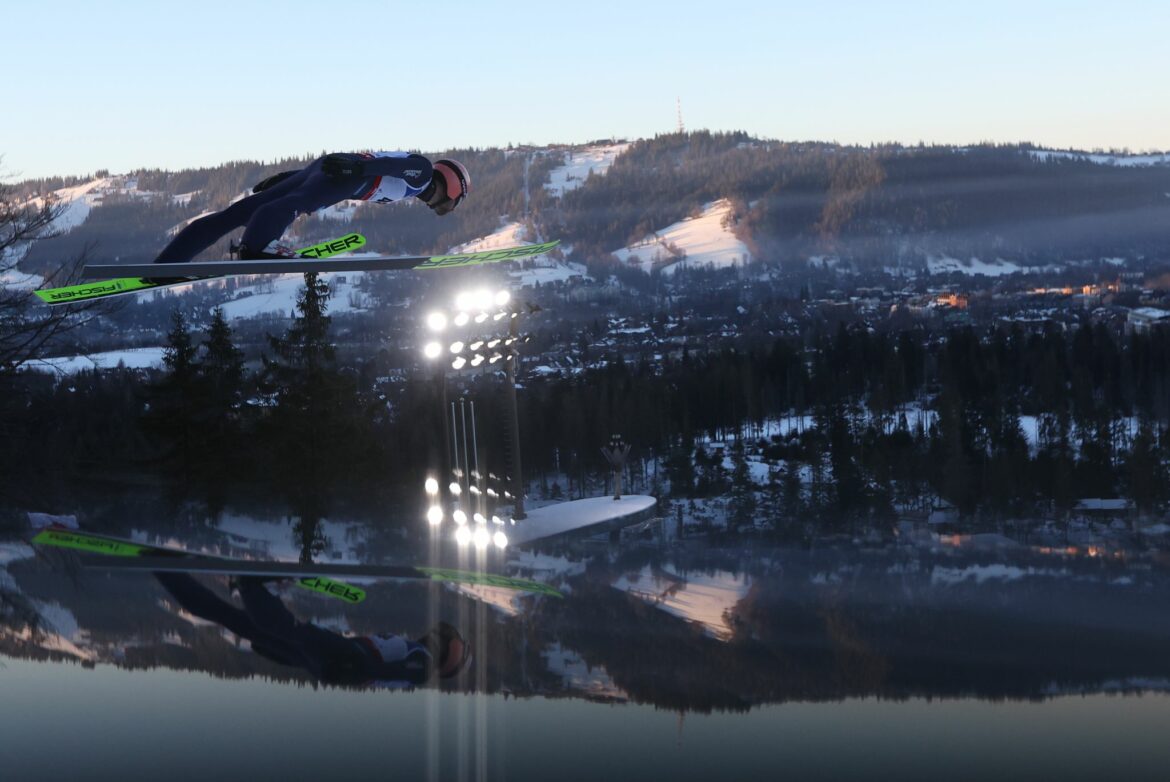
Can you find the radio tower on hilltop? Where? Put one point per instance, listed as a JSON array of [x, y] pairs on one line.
[[681, 128]]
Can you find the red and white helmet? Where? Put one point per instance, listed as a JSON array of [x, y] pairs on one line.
[[456, 181]]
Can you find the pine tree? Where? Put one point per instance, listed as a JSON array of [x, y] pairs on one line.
[[173, 408], [221, 376]]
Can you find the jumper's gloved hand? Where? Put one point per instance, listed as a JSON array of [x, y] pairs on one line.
[[338, 166]]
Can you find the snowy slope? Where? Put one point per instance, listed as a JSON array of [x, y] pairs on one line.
[[509, 234], [706, 599], [704, 239], [972, 267], [132, 358], [577, 166], [1103, 159], [278, 294]]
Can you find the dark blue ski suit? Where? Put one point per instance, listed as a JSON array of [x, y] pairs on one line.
[[388, 176], [276, 634]]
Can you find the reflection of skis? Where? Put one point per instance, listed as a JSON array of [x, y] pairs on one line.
[[137, 556]]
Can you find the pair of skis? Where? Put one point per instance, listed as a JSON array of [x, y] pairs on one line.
[[135, 278], [122, 554]]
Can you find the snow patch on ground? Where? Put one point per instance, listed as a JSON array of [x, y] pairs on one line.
[[707, 599], [704, 240], [547, 273], [579, 676], [578, 165], [278, 294], [509, 234], [19, 281], [131, 358], [943, 265], [981, 573], [1103, 159]]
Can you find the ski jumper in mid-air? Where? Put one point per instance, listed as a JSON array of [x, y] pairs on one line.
[[382, 177]]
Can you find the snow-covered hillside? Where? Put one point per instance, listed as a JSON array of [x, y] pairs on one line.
[[509, 234], [1103, 159], [703, 239], [971, 267], [578, 165]]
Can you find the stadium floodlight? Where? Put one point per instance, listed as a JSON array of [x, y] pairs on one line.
[[493, 343], [515, 314], [461, 319], [476, 345], [481, 317], [431, 486], [456, 347], [463, 536], [464, 301], [500, 539], [433, 350], [499, 315], [474, 489], [496, 357], [502, 298], [479, 518], [492, 492], [483, 299], [436, 321], [475, 362], [460, 517], [481, 537], [497, 519], [509, 341], [455, 488], [435, 515], [458, 363]]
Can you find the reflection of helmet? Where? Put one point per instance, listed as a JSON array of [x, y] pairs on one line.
[[453, 181], [451, 650]]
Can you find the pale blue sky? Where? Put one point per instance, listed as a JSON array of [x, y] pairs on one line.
[[119, 85]]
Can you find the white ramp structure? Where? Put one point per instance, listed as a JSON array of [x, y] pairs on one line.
[[581, 518]]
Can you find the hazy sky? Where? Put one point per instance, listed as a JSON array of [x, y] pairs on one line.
[[121, 85]]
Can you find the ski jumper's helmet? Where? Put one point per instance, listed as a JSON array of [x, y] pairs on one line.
[[456, 181]]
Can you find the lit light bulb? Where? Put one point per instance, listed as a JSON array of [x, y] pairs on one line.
[[481, 317], [455, 488], [435, 515], [432, 486], [502, 298], [459, 363], [481, 537], [479, 518], [462, 318], [501, 540], [460, 517], [475, 362], [464, 301], [436, 321], [463, 536], [476, 345], [432, 350], [456, 347]]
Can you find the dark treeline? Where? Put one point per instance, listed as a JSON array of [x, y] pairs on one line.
[[883, 422]]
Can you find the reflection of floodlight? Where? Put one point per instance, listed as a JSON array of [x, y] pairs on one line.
[[481, 317], [458, 363], [497, 520], [463, 536], [436, 321], [495, 358], [499, 315], [501, 540], [481, 537], [507, 495], [493, 343], [455, 488], [462, 318], [479, 519], [464, 301], [475, 362], [460, 517], [435, 515], [492, 493], [509, 341], [456, 347], [476, 345], [432, 486], [515, 314], [432, 350], [475, 489]]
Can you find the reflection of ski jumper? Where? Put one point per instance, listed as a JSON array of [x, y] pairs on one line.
[[382, 177], [332, 658]]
